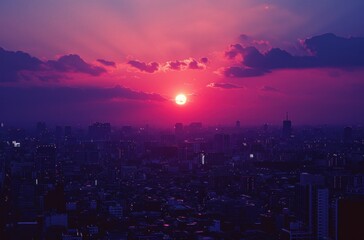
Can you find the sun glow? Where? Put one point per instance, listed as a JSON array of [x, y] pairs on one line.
[[181, 99]]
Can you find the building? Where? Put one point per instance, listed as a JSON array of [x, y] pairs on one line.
[[99, 131], [287, 127], [312, 205], [348, 216], [45, 160]]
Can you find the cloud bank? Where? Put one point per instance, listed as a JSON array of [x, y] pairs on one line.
[[13, 65], [327, 50]]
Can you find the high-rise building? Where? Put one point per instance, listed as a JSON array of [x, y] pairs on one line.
[[45, 159], [348, 216], [67, 132], [222, 142], [348, 134], [99, 131], [322, 213], [312, 205], [287, 127]]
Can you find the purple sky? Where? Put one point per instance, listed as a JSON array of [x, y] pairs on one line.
[[77, 62]]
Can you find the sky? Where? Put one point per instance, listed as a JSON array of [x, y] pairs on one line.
[[118, 61]]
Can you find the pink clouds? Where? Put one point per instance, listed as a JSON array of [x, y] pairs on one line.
[[177, 65], [145, 67]]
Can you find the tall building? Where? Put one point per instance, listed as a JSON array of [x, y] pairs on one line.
[[312, 205], [348, 216], [322, 214], [348, 134], [45, 159], [287, 127], [99, 131], [222, 142], [67, 132]]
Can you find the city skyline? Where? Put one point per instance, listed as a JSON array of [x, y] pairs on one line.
[[124, 62]]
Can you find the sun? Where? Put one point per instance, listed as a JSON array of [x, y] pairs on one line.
[[181, 99]]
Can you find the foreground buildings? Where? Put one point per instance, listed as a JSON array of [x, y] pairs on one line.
[[186, 182]]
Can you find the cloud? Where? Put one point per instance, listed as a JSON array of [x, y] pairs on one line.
[[15, 66], [74, 63], [145, 67], [335, 51], [176, 65], [327, 50], [262, 45], [189, 63], [195, 65], [107, 63], [204, 60], [223, 85], [11, 63]]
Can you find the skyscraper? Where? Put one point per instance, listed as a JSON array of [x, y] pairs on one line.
[[287, 127], [312, 204], [45, 160]]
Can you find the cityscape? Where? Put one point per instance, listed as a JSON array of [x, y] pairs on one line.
[[188, 181], [182, 120]]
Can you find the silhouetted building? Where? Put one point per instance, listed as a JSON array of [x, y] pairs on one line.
[[58, 133], [348, 134], [45, 160], [287, 127], [312, 205], [41, 128], [67, 132], [222, 142], [348, 218], [99, 131]]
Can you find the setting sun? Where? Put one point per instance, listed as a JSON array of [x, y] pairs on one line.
[[181, 99]]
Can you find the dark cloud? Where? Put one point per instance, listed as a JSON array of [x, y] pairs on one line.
[[327, 50], [244, 37], [74, 63], [204, 60], [242, 72], [177, 65], [194, 64], [107, 63], [11, 63], [235, 50], [269, 89], [15, 66], [334, 51], [145, 67], [223, 85]]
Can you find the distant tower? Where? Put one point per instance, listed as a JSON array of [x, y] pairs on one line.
[[237, 125], [287, 127]]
